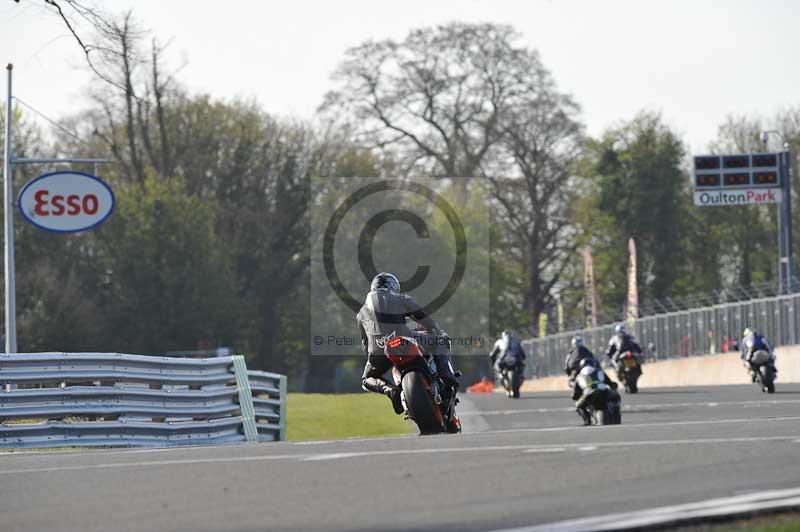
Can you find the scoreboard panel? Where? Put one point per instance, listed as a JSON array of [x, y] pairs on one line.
[[712, 172]]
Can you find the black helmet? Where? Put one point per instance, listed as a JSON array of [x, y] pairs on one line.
[[385, 281]]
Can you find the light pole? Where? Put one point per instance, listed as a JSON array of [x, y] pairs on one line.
[[785, 269]]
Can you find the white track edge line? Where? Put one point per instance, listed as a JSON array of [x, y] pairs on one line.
[[668, 515]]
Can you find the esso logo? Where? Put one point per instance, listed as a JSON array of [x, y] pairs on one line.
[[66, 202]]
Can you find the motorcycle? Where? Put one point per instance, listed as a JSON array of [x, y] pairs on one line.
[[763, 370], [602, 403], [628, 371], [426, 399], [511, 378]]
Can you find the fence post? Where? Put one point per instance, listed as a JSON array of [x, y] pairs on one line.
[[246, 399], [282, 391]]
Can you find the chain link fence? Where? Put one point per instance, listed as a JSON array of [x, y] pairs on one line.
[[700, 331]]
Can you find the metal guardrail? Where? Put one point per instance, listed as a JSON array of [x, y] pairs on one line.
[[110, 399], [705, 330]]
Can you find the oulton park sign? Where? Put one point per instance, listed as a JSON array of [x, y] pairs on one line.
[[740, 179], [714, 198]]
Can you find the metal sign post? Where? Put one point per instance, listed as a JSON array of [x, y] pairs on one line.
[[8, 212], [785, 227], [786, 261]]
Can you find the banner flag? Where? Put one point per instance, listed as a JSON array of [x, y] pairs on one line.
[[590, 296], [633, 290]]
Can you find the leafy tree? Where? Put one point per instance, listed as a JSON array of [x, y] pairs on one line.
[[746, 233], [55, 307], [636, 188], [250, 167], [167, 274], [787, 123]]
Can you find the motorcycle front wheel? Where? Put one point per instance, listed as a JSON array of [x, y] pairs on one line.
[[633, 385], [421, 408]]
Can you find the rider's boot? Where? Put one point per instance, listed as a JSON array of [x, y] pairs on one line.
[[391, 391], [587, 419]]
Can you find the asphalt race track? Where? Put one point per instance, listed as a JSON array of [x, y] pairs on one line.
[[525, 462]]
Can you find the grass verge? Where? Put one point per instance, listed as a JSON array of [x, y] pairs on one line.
[[316, 416], [786, 521]]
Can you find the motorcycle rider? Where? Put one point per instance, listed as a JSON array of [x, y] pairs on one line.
[[580, 356], [750, 343], [507, 352], [384, 314], [621, 342]]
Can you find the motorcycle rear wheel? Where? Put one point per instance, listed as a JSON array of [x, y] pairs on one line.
[[768, 378], [513, 379], [615, 413], [453, 426], [421, 408]]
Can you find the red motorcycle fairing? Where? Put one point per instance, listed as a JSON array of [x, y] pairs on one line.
[[406, 357], [402, 351]]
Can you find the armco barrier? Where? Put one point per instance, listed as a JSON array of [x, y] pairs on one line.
[[699, 331], [701, 370], [110, 399]]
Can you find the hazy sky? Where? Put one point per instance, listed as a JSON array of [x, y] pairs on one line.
[[696, 61]]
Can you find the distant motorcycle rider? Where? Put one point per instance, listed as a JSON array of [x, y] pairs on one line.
[[384, 314], [750, 343], [578, 358], [622, 342], [507, 352]]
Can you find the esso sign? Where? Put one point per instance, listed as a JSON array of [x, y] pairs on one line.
[[66, 202]]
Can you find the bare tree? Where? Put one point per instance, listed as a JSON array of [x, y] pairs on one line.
[[437, 97], [542, 139], [89, 26], [137, 100], [466, 100], [134, 96]]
